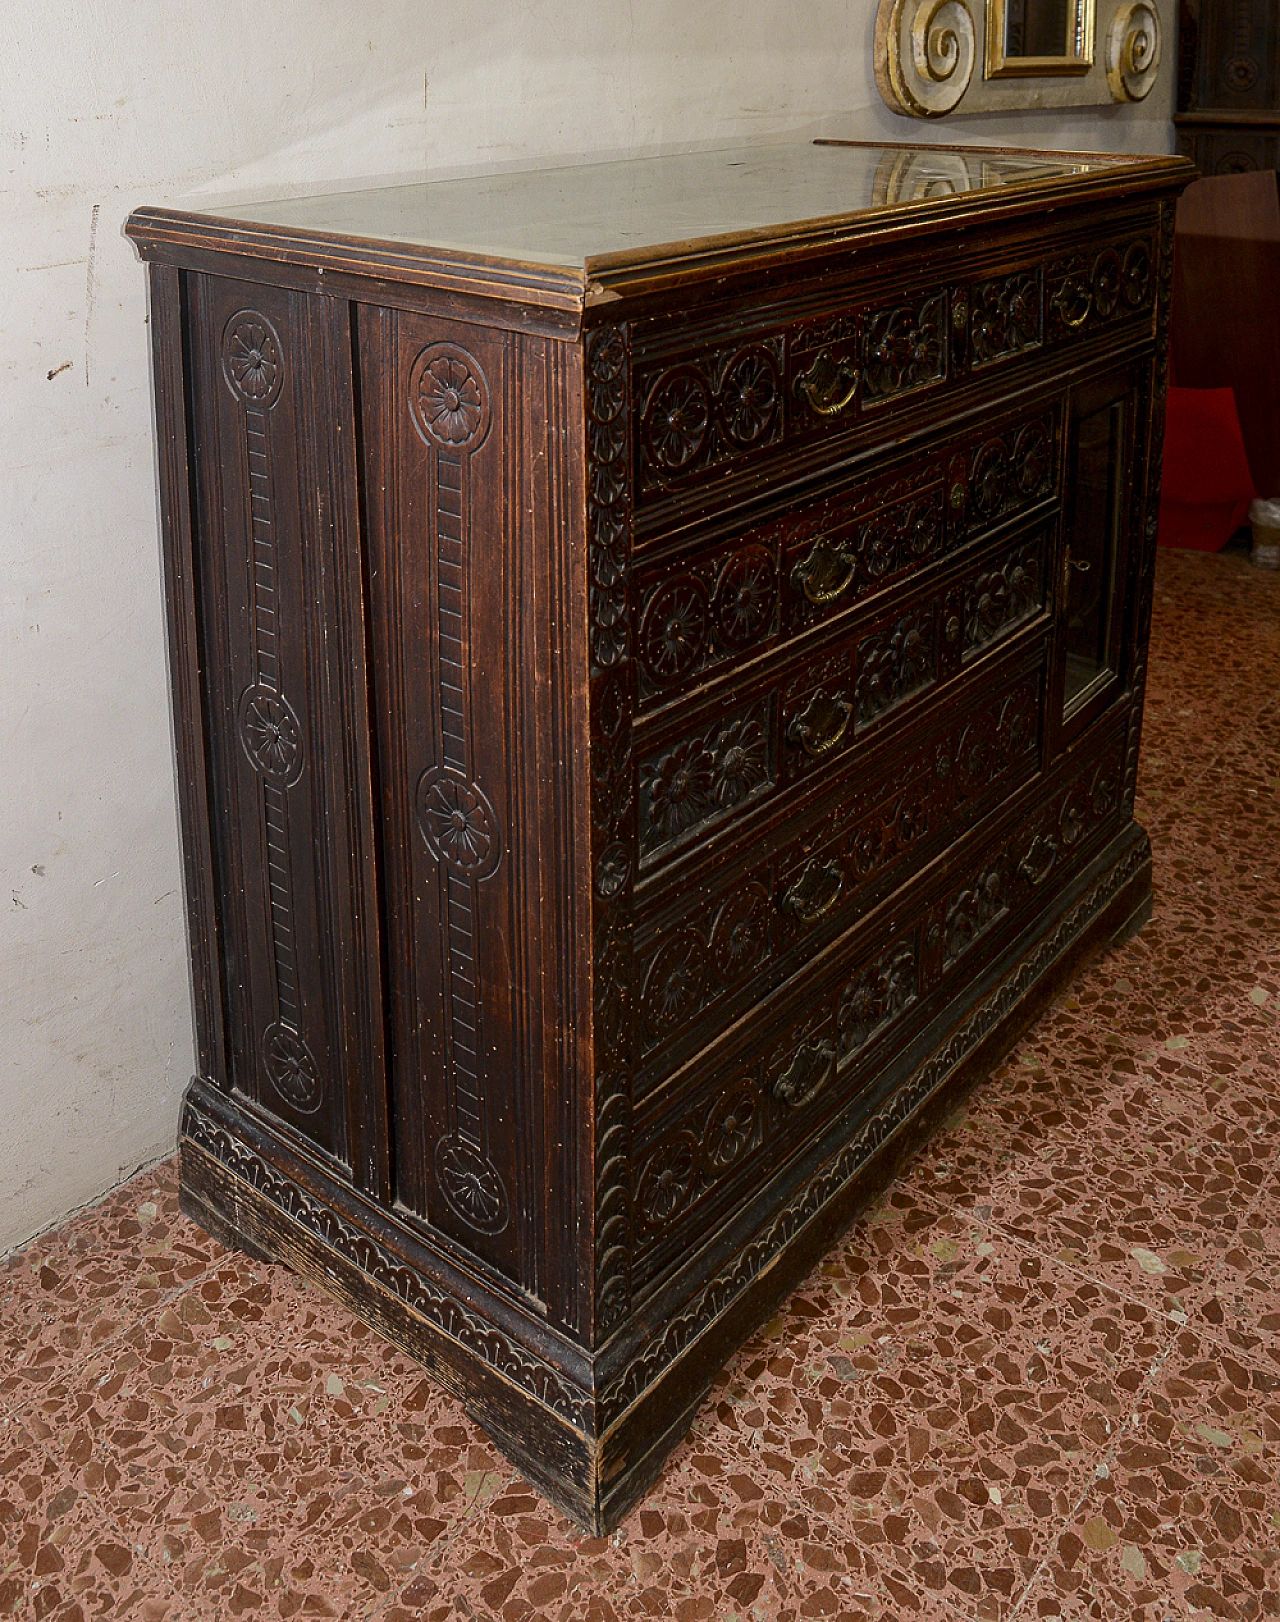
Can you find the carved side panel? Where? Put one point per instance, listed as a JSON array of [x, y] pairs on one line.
[[442, 594], [283, 632], [613, 811]]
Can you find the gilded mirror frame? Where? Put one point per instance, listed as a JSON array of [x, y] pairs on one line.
[[1001, 66]]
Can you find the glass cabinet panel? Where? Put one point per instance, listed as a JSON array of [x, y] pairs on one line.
[[1090, 553], [1097, 515]]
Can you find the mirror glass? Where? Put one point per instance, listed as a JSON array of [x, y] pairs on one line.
[[1039, 28], [1038, 37]]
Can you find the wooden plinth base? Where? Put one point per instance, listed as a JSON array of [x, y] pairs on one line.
[[592, 1429]]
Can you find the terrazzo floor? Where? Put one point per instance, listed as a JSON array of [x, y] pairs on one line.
[[1040, 1379]]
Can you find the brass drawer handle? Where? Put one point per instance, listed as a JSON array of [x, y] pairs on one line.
[[1037, 864], [815, 892], [822, 723], [1064, 297], [824, 573], [806, 1075], [827, 388]]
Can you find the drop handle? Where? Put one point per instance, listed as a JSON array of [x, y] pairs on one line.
[[806, 1075], [822, 723], [827, 387], [824, 573], [1037, 864], [815, 892]]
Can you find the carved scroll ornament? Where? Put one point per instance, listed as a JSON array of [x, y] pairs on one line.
[[934, 57]]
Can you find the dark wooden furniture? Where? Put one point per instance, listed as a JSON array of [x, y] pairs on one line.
[[658, 656], [1228, 109], [1226, 305]]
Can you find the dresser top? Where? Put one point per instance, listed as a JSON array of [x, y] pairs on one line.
[[584, 222]]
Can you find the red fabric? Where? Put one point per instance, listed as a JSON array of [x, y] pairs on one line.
[[1206, 488]]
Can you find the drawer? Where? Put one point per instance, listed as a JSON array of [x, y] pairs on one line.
[[709, 953], [722, 603], [743, 745], [732, 1120], [838, 361]]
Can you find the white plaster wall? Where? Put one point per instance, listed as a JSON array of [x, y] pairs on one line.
[[105, 104]]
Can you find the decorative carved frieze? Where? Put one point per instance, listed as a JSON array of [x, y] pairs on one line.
[[613, 809], [476, 1335]]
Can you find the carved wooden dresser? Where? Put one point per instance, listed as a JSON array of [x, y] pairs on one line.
[[658, 657]]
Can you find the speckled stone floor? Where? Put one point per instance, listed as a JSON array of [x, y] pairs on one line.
[[1040, 1379]]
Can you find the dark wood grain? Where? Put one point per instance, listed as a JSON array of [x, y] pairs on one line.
[[643, 748]]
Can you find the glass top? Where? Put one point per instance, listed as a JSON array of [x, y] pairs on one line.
[[591, 214]]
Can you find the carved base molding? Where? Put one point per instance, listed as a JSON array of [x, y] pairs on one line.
[[593, 1433]]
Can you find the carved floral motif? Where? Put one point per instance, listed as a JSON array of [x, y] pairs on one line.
[[1004, 316], [712, 771], [1003, 595], [449, 397], [251, 360], [893, 664], [877, 997], [271, 734], [745, 597], [749, 396], [906, 348], [710, 408]]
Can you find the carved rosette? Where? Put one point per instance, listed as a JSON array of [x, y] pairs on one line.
[[672, 632], [458, 823], [271, 734], [252, 360], [449, 404], [1133, 50], [710, 409], [449, 398]]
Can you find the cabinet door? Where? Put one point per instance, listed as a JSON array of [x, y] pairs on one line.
[[1091, 656]]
